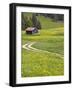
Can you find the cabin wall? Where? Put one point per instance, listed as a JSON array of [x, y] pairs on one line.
[[28, 32], [32, 32]]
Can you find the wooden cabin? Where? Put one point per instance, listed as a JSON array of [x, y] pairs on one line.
[[31, 30]]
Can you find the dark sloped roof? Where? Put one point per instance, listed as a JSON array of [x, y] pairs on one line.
[[30, 28]]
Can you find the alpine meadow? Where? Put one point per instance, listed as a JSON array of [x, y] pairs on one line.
[[42, 38]]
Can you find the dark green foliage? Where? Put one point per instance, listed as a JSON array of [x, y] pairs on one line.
[[26, 22], [23, 22], [36, 22], [57, 17], [38, 25], [54, 17], [33, 20], [29, 21], [61, 17]]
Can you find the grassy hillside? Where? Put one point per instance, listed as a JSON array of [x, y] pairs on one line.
[[51, 39], [48, 23]]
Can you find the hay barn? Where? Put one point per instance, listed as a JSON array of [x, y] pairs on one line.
[[31, 30]]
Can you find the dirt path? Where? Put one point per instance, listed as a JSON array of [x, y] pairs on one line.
[[28, 46]]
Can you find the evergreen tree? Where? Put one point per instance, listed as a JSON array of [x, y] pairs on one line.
[[35, 22], [27, 21], [22, 22]]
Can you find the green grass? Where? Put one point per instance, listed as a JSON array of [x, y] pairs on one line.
[[48, 23], [50, 38], [41, 64]]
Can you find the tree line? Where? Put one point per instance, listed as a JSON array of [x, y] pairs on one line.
[[27, 21], [30, 21]]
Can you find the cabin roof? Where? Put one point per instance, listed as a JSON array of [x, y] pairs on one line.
[[30, 28]]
